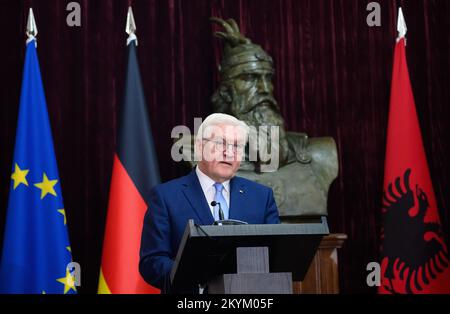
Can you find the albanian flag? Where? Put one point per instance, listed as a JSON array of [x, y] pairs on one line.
[[135, 172], [414, 256]]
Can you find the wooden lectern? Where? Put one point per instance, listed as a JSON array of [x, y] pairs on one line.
[[246, 259]]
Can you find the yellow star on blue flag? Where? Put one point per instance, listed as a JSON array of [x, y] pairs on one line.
[[46, 186], [68, 281], [19, 176]]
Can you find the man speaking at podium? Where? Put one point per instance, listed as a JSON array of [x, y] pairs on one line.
[[211, 192]]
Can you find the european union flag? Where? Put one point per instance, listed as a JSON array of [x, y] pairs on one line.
[[36, 250]]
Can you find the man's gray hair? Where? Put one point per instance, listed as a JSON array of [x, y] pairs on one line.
[[216, 119]]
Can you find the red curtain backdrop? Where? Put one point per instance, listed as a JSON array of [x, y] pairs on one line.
[[332, 78]]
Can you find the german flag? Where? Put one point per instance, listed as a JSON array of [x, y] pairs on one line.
[[135, 172]]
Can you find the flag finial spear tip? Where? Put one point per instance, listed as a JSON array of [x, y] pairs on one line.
[[401, 24], [32, 30], [131, 26]]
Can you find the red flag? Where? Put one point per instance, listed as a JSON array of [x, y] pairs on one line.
[[414, 256]]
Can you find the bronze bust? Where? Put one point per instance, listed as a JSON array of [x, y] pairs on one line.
[[306, 166]]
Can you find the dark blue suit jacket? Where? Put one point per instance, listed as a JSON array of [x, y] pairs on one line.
[[172, 204]]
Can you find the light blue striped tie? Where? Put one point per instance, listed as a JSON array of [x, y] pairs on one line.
[[220, 199]]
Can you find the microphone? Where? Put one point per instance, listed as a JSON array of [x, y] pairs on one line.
[[221, 215], [222, 220]]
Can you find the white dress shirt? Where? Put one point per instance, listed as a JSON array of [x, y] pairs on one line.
[[209, 190]]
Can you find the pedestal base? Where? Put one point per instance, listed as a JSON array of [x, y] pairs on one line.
[[271, 283]]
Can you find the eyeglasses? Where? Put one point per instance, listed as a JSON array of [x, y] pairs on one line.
[[221, 145]]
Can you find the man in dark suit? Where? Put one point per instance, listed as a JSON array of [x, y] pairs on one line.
[[220, 145]]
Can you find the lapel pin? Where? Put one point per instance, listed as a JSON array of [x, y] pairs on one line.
[[241, 191]]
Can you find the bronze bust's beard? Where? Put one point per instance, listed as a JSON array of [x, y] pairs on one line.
[[257, 110], [263, 111]]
